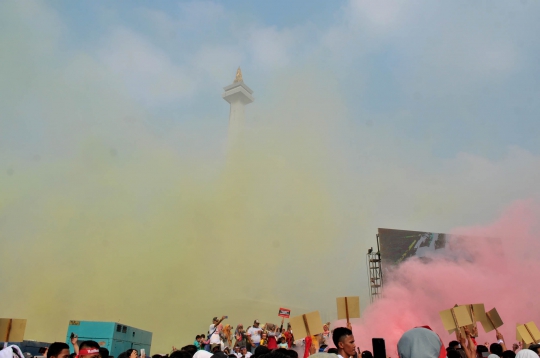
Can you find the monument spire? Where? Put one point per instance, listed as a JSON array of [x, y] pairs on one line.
[[238, 94]]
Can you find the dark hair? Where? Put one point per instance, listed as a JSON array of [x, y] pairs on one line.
[[282, 350], [496, 348], [56, 348], [129, 351], [291, 353], [157, 356], [339, 333], [203, 336], [89, 344], [367, 354], [534, 348], [122, 355], [190, 348], [481, 349], [333, 350], [261, 350], [72, 355], [453, 344], [103, 352], [273, 354], [180, 354], [42, 350], [509, 354], [452, 353]]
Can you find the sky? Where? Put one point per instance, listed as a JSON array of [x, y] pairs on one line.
[[117, 191]]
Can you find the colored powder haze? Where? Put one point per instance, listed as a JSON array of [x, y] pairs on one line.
[[118, 202], [419, 291]]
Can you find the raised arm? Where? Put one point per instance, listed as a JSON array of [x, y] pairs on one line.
[[500, 339], [75, 343]]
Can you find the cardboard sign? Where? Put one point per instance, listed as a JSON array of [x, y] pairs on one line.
[[12, 330], [528, 333], [284, 312], [348, 307], [309, 324], [476, 311], [455, 318], [491, 321]]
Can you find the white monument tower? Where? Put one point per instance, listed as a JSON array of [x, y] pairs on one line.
[[238, 95]]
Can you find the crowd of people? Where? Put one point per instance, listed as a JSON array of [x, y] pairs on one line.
[[269, 335], [271, 341]]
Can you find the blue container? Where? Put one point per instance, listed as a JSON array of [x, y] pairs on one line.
[[31, 347], [116, 337]]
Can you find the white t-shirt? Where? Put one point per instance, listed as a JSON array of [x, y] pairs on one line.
[[214, 338], [248, 354], [255, 334]]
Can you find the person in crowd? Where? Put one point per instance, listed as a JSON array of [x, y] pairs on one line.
[[180, 354], [75, 343], [535, 348], [509, 354], [365, 354], [58, 350], [274, 333], [197, 342], [260, 351], [291, 353], [236, 351], [244, 352], [289, 338], [214, 332], [226, 335], [190, 348], [264, 339], [326, 336], [240, 336], [283, 343], [103, 352], [205, 343], [89, 349], [500, 341], [43, 351], [526, 353], [254, 334], [495, 350], [480, 350], [344, 341], [216, 348], [420, 342], [131, 353]]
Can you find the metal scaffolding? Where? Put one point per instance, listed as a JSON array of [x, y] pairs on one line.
[[373, 264]]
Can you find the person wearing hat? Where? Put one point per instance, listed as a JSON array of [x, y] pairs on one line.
[[255, 334], [214, 331]]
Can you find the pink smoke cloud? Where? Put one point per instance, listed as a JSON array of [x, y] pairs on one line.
[[501, 276]]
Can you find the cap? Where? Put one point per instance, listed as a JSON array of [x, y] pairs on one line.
[[214, 319], [256, 321]]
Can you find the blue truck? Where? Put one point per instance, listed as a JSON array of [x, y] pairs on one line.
[[116, 337]]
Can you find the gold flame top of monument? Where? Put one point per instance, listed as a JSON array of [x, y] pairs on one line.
[[238, 75]]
